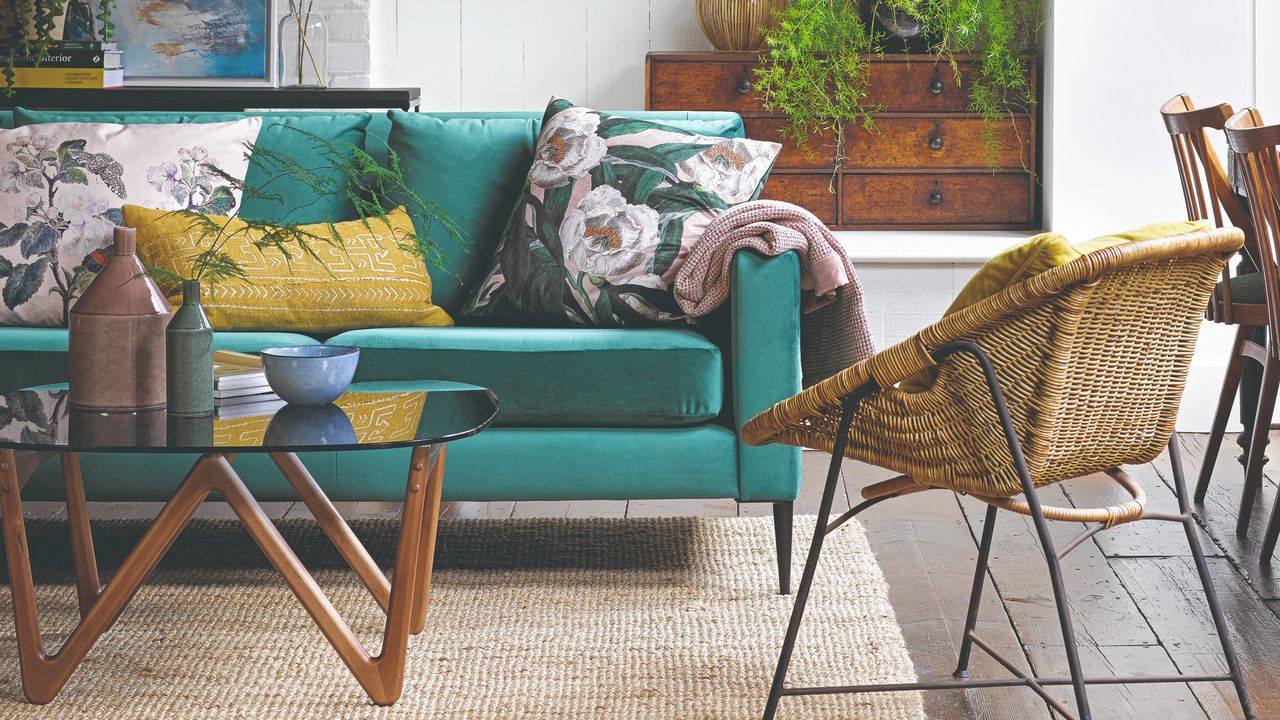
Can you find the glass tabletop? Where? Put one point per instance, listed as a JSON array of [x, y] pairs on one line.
[[369, 416]]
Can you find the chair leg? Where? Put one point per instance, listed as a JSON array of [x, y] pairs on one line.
[[811, 563], [975, 596], [1258, 443], [1230, 384], [1250, 389], [1062, 605], [783, 513], [1037, 515], [1210, 593], [1272, 534]]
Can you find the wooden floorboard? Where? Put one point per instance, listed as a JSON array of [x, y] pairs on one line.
[[1134, 592]]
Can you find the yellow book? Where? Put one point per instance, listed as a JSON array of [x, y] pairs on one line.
[[62, 77]]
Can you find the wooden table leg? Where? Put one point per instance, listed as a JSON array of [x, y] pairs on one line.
[[44, 675], [427, 545], [85, 564], [381, 676]]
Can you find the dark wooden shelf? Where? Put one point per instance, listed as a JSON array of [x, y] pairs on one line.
[[215, 99]]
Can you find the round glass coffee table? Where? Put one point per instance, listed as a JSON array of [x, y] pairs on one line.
[[38, 424]]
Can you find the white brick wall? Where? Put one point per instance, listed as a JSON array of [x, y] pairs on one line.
[[348, 24], [902, 298]]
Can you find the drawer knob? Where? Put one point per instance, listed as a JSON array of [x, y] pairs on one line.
[[935, 142], [935, 198], [744, 85], [935, 87]]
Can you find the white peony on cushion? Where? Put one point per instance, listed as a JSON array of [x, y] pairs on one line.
[[62, 186]]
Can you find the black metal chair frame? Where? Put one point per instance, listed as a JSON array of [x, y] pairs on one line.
[[1076, 679]]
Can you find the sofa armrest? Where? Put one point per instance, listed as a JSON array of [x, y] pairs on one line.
[[765, 366]]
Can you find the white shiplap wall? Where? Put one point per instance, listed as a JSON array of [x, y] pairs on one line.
[[516, 54]]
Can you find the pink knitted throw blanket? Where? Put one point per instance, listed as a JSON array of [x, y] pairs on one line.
[[833, 325]]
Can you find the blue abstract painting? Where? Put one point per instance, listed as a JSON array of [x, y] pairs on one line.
[[216, 39]]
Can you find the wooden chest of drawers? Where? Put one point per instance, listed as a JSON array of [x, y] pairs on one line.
[[924, 167]]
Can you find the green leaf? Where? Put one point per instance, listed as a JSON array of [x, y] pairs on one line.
[[642, 156], [603, 174], [614, 126], [25, 406], [220, 202], [679, 152], [555, 201], [684, 198], [668, 249], [73, 175], [12, 234], [6, 267], [40, 238], [636, 183], [23, 282]]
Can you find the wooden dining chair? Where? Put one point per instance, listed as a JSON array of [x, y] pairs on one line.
[[1236, 301], [1254, 146]]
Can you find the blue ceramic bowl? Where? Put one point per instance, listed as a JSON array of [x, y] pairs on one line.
[[310, 374]]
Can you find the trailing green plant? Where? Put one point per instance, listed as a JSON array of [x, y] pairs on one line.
[[991, 29], [331, 169], [27, 26], [816, 68]]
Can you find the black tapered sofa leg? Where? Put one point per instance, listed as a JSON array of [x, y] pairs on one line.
[[782, 515]]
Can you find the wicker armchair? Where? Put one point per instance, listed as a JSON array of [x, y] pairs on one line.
[[1075, 371]]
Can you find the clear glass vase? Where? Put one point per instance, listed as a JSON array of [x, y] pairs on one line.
[[304, 47]]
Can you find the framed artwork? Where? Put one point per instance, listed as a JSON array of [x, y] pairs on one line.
[[197, 42]]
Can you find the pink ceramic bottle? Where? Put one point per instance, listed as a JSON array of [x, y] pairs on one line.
[[117, 336]]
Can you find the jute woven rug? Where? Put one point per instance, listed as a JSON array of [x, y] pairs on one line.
[[638, 618]]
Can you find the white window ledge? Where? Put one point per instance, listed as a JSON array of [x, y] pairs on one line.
[[928, 246]]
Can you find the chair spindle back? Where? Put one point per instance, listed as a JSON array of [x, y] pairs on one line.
[[1254, 146], [1205, 188]]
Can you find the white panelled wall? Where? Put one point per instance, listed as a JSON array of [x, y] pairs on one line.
[[1108, 67]]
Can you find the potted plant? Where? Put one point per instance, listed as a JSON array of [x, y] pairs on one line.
[[816, 72]]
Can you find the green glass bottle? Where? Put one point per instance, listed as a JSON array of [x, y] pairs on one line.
[[189, 356]]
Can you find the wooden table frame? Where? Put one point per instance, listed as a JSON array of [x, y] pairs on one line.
[[403, 599]]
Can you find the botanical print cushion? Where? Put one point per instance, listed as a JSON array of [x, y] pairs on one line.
[[609, 210], [62, 186]]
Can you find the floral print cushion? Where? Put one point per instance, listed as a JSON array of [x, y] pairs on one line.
[[62, 186], [609, 210]]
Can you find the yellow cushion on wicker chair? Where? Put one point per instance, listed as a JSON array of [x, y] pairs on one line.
[[370, 280], [1049, 250], [1039, 254]]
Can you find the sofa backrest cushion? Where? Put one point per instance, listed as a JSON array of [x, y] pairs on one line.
[[280, 132], [6, 119], [473, 165]]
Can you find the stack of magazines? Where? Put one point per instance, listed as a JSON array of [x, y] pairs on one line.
[[66, 65], [240, 386]]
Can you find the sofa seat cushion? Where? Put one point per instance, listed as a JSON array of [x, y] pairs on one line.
[[1249, 288], [558, 376]]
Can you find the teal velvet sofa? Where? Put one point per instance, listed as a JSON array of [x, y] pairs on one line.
[[586, 413]]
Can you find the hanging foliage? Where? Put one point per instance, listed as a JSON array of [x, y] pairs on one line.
[[816, 67]]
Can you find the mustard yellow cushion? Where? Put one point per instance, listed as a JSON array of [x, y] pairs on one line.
[[1039, 254], [1049, 250], [369, 281]]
